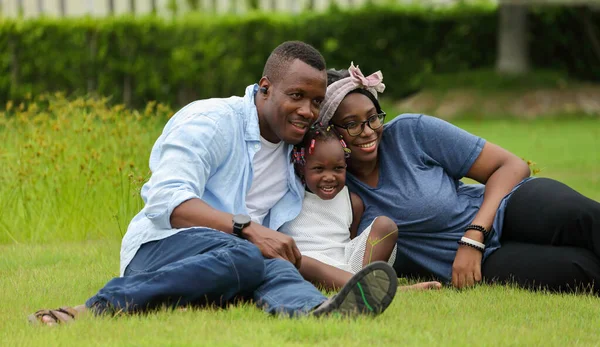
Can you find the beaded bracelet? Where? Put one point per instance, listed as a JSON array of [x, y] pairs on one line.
[[470, 245], [465, 241], [478, 228]]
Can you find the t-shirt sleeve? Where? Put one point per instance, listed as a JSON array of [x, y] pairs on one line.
[[448, 145]]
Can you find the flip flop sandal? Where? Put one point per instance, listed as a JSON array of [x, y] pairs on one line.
[[37, 318]]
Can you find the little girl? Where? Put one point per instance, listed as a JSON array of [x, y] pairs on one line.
[[326, 229]]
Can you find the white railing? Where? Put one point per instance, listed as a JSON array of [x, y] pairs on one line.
[[61, 8]]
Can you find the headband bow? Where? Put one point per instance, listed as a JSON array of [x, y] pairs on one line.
[[373, 81]]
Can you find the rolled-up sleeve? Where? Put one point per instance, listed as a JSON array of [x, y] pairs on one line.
[[182, 164]]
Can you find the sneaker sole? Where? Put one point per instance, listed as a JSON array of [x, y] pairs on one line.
[[369, 292]]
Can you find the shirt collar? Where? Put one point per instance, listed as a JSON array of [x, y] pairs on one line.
[[252, 132]]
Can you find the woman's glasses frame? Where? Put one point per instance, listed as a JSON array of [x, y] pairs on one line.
[[352, 127]]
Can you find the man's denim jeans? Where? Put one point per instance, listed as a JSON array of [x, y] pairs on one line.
[[205, 266]]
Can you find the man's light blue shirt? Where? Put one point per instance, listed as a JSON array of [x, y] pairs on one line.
[[205, 152]]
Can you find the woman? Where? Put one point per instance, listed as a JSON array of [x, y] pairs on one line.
[[510, 228]]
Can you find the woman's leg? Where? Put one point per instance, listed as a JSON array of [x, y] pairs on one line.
[[531, 266], [545, 211], [550, 238]]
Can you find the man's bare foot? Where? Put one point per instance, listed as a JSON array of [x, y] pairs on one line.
[[57, 316], [422, 286]]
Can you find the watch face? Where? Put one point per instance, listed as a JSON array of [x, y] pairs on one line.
[[241, 219]]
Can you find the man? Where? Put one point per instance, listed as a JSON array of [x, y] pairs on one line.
[[216, 162]]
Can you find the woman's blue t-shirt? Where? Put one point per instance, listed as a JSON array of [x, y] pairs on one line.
[[421, 162]]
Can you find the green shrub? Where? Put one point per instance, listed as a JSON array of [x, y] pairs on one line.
[[135, 60]]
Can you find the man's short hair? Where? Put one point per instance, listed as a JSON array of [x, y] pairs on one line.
[[282, 56]]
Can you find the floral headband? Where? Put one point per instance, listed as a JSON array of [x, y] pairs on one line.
[[337, 91]]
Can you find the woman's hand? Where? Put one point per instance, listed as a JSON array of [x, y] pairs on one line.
[[466, 270]]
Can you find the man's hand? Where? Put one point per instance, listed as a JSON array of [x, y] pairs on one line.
[[466, 270], [273, 244]]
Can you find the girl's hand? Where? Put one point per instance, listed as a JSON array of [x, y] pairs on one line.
[[466, 269]]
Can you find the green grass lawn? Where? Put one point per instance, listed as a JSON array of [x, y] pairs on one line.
[[69, 184], [36, 276], [568, 151]]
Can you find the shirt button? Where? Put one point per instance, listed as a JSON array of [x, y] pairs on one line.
[[256, 147]]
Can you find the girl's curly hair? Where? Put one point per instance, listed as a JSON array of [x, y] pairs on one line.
[[316, 133]]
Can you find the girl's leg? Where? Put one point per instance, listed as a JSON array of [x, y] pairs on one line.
[[381, 241], [323, 275], [381, 246]]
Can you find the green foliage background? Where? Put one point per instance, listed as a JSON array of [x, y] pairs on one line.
[[136, 60]]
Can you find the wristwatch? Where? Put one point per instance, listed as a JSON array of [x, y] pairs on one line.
[[240, 221]]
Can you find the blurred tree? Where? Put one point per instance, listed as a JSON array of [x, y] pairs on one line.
[[132, 6], [513, 53], [111, 7], [513, 50], [173, 7], [252, 4], [590, 30], [20, 8], [193, 4], [62, 7]]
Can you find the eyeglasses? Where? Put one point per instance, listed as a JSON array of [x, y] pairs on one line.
[[356, 128]]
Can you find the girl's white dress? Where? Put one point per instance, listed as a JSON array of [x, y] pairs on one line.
[[321, 231]]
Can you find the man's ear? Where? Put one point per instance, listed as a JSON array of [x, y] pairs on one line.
[[263, 85]]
